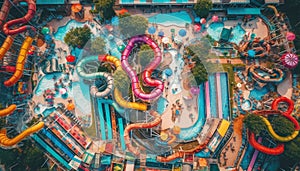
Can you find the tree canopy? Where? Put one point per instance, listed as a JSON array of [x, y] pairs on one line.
[[281, 125], [133, 25], [145, 55], [254, 123], [105, 8], [78, 37], [202, 7], [121, 80], [98, 46]]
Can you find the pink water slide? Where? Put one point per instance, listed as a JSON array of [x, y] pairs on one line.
[[219, 94], [146, 76], [207, 99]]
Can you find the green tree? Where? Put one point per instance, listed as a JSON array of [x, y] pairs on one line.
[[78, 37], [291, 154], [98, 46], [202, 7], [199, 74], [105, 8], [133, 25], [281, 125], [145, 55], [254, 123], [121, 80]]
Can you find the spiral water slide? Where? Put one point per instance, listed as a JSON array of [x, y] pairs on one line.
[[146, 76], [10, 32], [277, 79], [130, 127], [5, 141]]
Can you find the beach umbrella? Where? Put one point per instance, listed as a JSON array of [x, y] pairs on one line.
[[251, 53], [121, 48], [289, 60], [71, 58], [195, 90], [63, 91], [177, 39], [115, 21], [165, 40], [109, 27], [203, 21], [76, 8], [161, 33], [176, 130], [122, 11], [71, 106], [290, 36], [182, 32], [197, 19], [151, 30], [215, 18], [239, 85], [48, 37], [197, 27], [172, 30], [45, 30], [168, 72]]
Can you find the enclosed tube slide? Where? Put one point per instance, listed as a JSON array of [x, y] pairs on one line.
[[114, 104], [4, 140], [147, 72], [20, 63], [132, 105], [271, 151], [6, 45], [276, 74], [127, 130], [94, 91], [10, 109]]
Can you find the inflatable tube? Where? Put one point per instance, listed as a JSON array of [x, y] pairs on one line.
[[20, 63], [10, 109], [130, 127], [146, 76], [4, 140]]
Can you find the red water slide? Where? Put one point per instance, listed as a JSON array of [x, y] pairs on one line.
[[271, 151], [130, 127], [286, 100]]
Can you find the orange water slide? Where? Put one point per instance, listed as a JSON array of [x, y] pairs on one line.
[[20, 63], [5, 141], [130, 127], [271, 151], [6, 46], [10, 109]]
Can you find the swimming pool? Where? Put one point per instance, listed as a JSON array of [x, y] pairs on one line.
[[213, 97], [259, 93], [176, 18], [215, 30], [246, 105], [45, 83], [62, 31]]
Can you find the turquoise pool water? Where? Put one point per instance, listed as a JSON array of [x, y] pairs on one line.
[[259, 93], [224, 95], [62, 31], [176, 18], [213, 97], [46, 83], [215, 30], [161, 105], [48, 111]]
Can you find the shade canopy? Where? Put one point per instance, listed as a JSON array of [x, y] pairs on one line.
[[121, 48], [109, 27], [71, 58], [290, 36], [182, 32], [161, 33], [45, 30], [251, 53], [76, 7], [151, 30], [215, 18], [197, 28], [71, 106], [48, 37], [290, 60], [168, 72], [203, 21], [197, 20]]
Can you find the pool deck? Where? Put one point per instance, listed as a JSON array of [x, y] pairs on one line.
[[285, 88]]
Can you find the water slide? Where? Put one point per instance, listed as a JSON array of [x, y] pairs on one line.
[[108, 122], [256, 152], [121, 130], [274, 9], [146, 76], [119, 109], [130, 127], [271, 151], [286, 100], [207, 100], [276, 75], [219, 95], [10, 109], [101, 118], [4, 140], [94, 91]]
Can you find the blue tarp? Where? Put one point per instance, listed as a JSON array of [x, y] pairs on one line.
[[243, 11]]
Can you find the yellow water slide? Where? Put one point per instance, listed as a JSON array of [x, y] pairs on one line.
[[132, 105], [5, 141], [274, 9], [8, 110], [20, 62], [275, 135], [6, 46]]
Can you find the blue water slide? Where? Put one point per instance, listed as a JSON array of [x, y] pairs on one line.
[[121, 130], [118, 108], [108, 122], [225, 95], [57, 143], [213, 97], [101, 117], [51, 151]]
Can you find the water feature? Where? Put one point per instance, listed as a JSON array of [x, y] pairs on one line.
[[246, 105], [176, 18]]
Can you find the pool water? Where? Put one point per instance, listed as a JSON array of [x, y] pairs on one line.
[[246, 105], [215, 30], [259, 93], [62, 31], [176, 18], [48, 111], [161, 105]]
